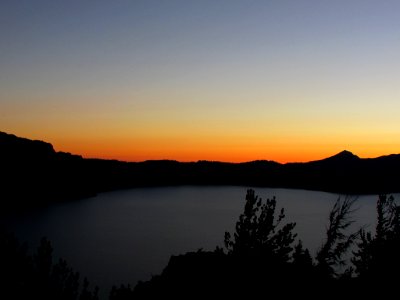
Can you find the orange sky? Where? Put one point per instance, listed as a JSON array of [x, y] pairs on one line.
[[218, 148], [200, 80]]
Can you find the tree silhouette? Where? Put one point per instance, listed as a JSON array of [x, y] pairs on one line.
[[36, 277], [261, 249], [258, 233], [302, 259], [337, 243], [377, 257]]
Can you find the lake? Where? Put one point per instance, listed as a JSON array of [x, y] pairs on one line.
[[129, 235]]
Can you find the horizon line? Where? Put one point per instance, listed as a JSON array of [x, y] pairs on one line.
[[105, 157]]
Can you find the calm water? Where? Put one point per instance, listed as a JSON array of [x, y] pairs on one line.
[[126, 236]]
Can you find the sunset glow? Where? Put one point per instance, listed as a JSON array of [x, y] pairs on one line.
[[203, 80]]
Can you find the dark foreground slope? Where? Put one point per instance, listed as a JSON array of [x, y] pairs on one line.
[[32, 173]]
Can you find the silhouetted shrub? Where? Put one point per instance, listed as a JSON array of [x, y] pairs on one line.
[[378, 256], [337, 242], [258, 232], [36, 277], [302, 260]]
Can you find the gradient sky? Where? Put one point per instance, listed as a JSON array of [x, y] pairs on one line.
[[191, 80]]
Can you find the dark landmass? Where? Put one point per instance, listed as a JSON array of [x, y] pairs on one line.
[[263, 258], [33, 173]]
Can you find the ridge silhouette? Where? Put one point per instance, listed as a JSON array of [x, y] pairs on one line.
[[33, 174]]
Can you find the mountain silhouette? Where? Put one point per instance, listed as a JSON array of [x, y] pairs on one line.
[[34, 174], [344, 156]]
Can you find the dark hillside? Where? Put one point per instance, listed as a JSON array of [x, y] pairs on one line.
[[33, 174]]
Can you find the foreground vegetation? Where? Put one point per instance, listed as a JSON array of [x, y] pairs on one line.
[[263, 257], [36, 276]]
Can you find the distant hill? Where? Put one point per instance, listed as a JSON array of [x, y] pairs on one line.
[[33, 174]]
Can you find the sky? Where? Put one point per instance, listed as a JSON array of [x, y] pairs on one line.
[[202, 80]]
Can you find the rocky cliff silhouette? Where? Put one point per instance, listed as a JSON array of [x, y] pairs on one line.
[[33, 174]]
